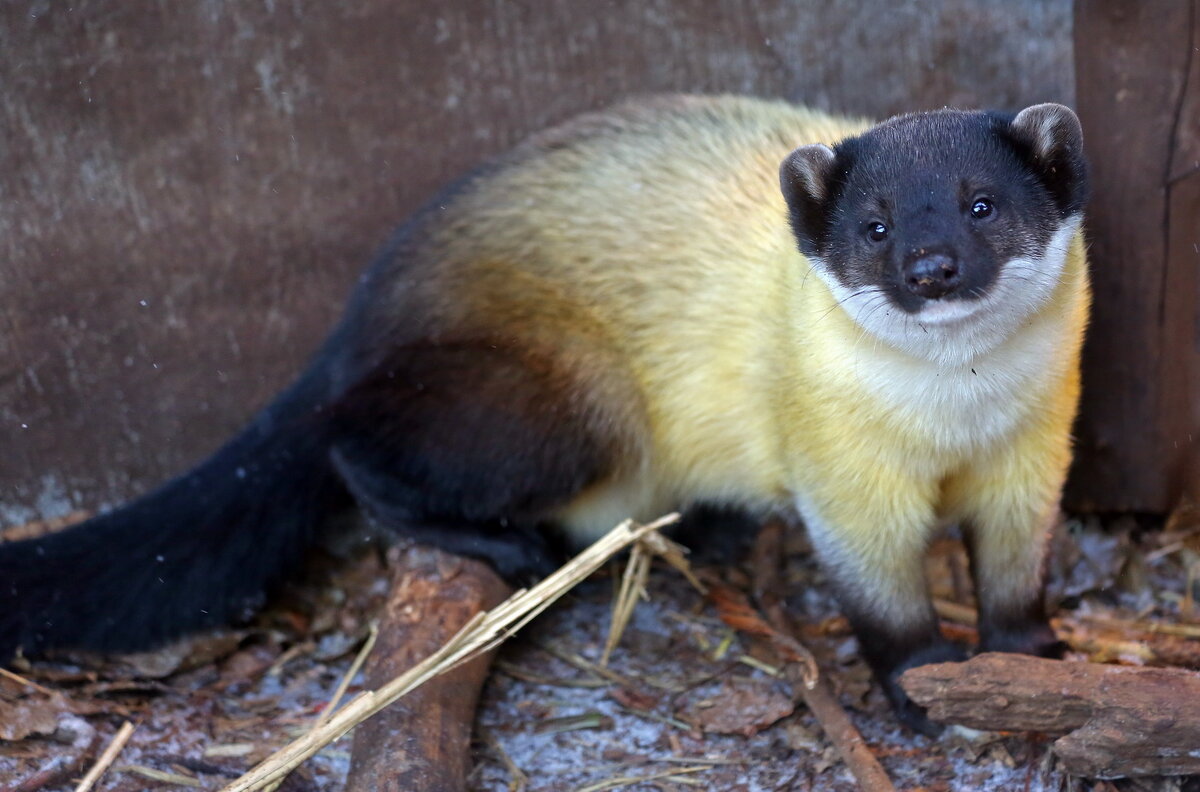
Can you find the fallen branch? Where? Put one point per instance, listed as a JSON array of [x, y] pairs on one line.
[[480, 635], [801, 669], [421, 743], [1118, 720], [1105, 639]]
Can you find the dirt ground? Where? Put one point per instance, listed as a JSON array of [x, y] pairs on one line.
[[685, 702]]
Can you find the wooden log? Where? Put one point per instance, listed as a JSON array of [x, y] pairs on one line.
[[421, 743], [1117, 720]]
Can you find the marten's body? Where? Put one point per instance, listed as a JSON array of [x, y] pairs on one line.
[[616, 319]]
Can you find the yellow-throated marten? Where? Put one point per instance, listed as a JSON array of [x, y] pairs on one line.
[[626, 315]]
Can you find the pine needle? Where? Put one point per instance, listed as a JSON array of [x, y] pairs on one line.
[[361, 658], [615, 783], [107, 758]]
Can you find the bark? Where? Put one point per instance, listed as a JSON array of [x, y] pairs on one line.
[[1117, 721], [421, 743]]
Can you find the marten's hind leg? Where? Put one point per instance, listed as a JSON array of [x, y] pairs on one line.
[[468, 446]]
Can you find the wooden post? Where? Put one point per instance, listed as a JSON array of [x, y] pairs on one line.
[[1138, 96]]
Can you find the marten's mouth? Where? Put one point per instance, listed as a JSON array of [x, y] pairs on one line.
[[944, 312]]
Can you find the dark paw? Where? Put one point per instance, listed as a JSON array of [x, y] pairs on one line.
[[521, 565], [716, 534], [1032, 638], [909, 713]]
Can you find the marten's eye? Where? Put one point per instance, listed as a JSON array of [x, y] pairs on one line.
[[982, 208], [877, 232]]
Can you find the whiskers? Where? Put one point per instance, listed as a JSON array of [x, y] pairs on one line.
[[842, 302], [868, 309], [1025, 271]]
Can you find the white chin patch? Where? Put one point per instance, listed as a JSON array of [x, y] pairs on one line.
[[955, 332], [946, 312]]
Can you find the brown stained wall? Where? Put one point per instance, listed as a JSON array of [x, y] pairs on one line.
[[188, 189]]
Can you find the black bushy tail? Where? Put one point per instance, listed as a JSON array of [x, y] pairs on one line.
[[200, 551]]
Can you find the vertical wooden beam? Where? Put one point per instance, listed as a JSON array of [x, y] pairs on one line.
[[1137, 93], [1182, 304]]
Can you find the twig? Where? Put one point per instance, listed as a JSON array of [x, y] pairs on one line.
[[517, 780], [195, 765], [699, 760], [288, 656], [675, 555], [517, 672], [754, 662], [815, 689], [107, 758], [367, 646], [953, 611], [4, 672], [569, 723], [481, 634], [583, 664], [614, 783], [1165, 628], [178, 779], [654, 716], [829, 713]]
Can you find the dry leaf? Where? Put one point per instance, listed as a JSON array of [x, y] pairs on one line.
[[28, 716], [633, 699], [743, 706]]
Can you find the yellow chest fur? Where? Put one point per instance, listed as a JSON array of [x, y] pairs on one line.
[[793, 402]]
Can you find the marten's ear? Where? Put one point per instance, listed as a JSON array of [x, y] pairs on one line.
[[1051, 139], [806, 178]]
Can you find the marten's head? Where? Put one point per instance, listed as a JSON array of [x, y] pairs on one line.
[[943, 227]]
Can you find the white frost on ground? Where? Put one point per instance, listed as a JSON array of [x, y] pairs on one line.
[[677, 658]]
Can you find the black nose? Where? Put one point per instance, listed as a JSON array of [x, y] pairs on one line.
[[932, 276]]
